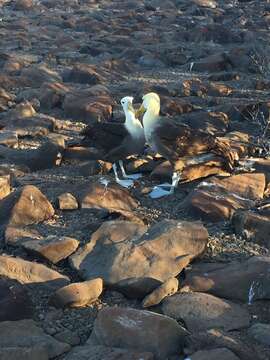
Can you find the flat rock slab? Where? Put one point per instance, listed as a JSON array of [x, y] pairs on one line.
[[15, 303], [121, 250], [216, 339], [25, 206], [215, 354], [202, 311], [25, 334], [246, 281], [217, 199], [27, 272], [253, 225], [138, 330], [106, 195], [52, 248], [98, 352], [24, 353]]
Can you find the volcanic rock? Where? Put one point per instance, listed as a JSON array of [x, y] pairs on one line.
[[202, 311], [117, 247], [78, 294], [27, 272], [26, 334], [168, 288], [138, 330], [25, 206]]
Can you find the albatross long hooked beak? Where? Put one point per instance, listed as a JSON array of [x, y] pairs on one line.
[[140, 112]]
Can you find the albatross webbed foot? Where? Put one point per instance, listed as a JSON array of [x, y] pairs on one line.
[[158, 191], [128, 176], [123, 182], [127, 183]]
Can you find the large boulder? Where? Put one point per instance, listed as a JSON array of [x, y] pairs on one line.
[[27, 272], [26, 334], [246, 281], [138, 330], [25, 206], [121, 250], [202, 311], [15, 303], [217, 199]]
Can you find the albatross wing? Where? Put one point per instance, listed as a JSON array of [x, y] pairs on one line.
[[104, 135], [175, 141]]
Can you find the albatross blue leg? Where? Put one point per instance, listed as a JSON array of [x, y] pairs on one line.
[[159, 192], [125, 183], [128, 176]]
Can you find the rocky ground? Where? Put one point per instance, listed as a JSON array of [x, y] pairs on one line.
[[90, 270]]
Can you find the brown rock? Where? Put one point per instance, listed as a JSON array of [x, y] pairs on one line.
[[4, 186], [168, 288], [80, 106], [67, 202], [212, 63], [138, 287], [78, 294], [23, 4], [162, 251], [15, 303], [52, 94], [34, 76], [52, 248], [246, 281], [138, 330], [27, 272], [46, 156], [106, 195], [25, 206], [213, 339], [218, 199], [203, 311], [214, 354], [84, 74], [17, 235], [253, 225]]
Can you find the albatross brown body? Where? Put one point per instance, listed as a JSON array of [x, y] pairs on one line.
[[178, 142], [117, 141]]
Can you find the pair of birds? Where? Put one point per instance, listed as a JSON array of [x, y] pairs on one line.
[[174, 141]]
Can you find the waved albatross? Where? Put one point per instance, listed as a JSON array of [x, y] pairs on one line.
[[117, 141], [177, 142]]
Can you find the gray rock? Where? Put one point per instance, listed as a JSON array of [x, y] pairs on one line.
[[24, 353], [26, 334], [203, 311], [138, 330], [261, 333], [214, 354], [98, 352]]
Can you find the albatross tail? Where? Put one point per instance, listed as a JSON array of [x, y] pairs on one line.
[[222, 148]]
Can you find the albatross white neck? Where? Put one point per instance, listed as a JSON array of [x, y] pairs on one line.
[[133, 125]]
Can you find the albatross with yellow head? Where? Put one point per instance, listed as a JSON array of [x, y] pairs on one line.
[[177, 142]]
